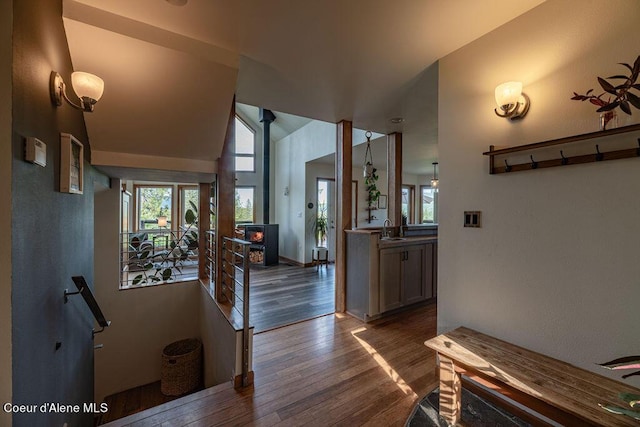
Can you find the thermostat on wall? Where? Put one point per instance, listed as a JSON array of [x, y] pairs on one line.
[[36, 151]]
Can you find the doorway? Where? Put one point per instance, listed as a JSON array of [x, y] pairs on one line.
[[326, 215]]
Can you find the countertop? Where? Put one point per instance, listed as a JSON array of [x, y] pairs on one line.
[[413, 240]]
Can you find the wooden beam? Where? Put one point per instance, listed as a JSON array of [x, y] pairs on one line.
[[343, 176], [394, 177], [225, 192]]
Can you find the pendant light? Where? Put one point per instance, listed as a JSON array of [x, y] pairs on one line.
[[434, 180]]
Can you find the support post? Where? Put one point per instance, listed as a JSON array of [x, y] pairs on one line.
[[450, 391], [266, 117], [225, 192], [394, 177], [343, 176]]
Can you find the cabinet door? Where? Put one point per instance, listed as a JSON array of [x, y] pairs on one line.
[[391, 278], [414, 274], [435, 269]]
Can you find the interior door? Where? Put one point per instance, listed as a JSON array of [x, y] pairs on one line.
[[331, 220]]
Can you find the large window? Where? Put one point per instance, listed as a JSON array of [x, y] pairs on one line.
[[245, 147], [407, 203], [189, 198], [154, 207], [428, 201], [245, 204]]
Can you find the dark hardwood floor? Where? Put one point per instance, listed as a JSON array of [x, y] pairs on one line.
[[283, 294], [332, 370]]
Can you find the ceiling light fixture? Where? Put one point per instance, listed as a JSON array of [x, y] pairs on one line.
[[177, 2], [434, 180], [397, 120], [513, 103], [88, 88]]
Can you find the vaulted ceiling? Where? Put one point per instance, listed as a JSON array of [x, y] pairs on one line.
[[171, 71]]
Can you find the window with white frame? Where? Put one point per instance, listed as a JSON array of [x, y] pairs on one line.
[[428, 204], [245, 206], [245, 157]]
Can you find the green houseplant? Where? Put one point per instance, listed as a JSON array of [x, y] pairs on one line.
[[320, 225], [372, 190]]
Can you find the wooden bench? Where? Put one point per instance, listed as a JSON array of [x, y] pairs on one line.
[[555, 389]]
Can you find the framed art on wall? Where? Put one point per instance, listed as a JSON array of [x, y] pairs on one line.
[[382, 201], [71, 164]]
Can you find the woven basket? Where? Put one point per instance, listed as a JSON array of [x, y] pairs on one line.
[[181, 367]]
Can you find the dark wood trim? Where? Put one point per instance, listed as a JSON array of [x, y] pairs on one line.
[[237, 380], [294, 262], [344, 176], [566, 140], [225, 192], [394, 177]]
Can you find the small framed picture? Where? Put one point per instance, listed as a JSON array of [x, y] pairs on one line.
[[382, 201], [71, 164]]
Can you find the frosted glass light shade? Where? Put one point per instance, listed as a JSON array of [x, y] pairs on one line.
[[87, 85], [162, 221], [508, 93]]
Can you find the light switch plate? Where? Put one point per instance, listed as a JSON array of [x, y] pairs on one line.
[[35, 151], [472, 219]]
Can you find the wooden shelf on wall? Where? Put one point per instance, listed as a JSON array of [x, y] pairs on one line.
[[563, 161]]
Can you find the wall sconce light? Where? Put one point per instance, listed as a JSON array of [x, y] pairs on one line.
[[513, 103], [434, 180], [87, 87], [162, 221]]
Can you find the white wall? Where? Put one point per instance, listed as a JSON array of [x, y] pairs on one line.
[[554, 267], [144, 320], [6, 61], [314, 140]]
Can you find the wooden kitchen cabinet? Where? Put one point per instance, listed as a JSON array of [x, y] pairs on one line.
[[406, 275]]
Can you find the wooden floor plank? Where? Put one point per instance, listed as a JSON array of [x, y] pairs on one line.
[[329, 370]]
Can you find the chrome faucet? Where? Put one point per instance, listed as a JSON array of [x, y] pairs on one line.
[[384, 227]]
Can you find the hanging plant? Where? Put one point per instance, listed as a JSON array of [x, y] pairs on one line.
[[372, 190]]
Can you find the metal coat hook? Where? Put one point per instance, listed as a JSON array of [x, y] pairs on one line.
[[599, 155], [564, 159], [507, 168], [534, 164]]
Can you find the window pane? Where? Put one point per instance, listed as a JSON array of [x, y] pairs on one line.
[[245, 143], [245, 206], [245, 164], [405, 202], [188, 196], [428, 204], [153, 202]]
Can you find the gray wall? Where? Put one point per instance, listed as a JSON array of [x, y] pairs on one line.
[[52, 232], [6, 20]]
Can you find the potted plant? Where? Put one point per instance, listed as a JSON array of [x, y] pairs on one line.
[[370, 185], [320, 225], [623, 97]]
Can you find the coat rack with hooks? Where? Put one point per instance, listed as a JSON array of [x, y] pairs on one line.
[[563, 160]]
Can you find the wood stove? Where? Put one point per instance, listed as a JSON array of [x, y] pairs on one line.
[[264, 243]]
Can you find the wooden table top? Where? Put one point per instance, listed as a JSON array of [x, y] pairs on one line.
[[572, 389]]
